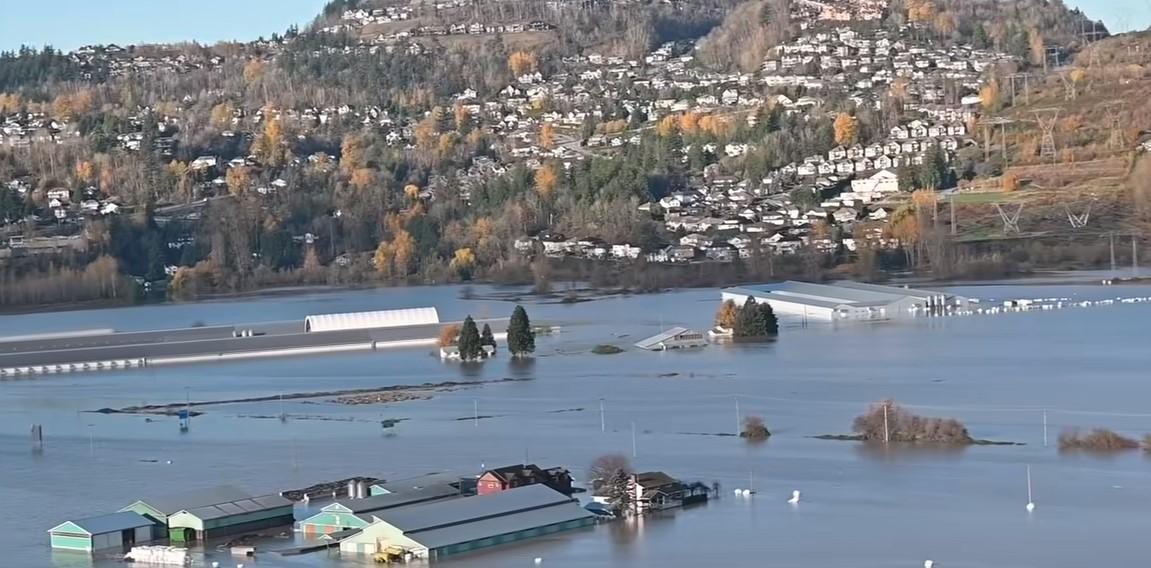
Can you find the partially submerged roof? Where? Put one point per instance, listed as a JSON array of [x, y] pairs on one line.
[[102, 524], [835, 295], [238, 507], [655, 340], [195, 499], [402, 498], [459, 511], [501, 525], [654, 479], [369, 320]]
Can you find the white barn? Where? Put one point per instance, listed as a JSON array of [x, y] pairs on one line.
[[371, 320], [845, 300]]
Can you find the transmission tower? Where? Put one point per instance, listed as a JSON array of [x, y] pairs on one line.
[[1010, 220], [989, 125], [1070, 92], [1048, 119], [1114, 123], [1078, 221], [1013, 79]]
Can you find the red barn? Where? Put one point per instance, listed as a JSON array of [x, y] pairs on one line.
[[520, 475]]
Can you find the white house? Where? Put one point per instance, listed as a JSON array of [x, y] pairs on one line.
[[884, 182]]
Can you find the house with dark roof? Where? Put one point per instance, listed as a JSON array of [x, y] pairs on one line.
[[656, 491], [215, 511], [521, 475]]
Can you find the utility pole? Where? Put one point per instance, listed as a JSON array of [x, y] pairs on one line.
[[738, 418], [886, 432], [1111, 236], [951, 207], [634, 449], [1134, 256], [476, 412], [1044, 428], [602, 420]]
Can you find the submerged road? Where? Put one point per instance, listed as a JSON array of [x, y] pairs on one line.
[[205, 342]]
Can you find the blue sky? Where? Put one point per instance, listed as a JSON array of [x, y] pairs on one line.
[[68, 24]]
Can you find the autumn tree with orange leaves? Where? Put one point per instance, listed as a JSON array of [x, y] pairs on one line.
[[522, 63], [846, 129]]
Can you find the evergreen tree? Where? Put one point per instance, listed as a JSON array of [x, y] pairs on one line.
[[469, 343], [486, 337], [521, 340], [769, 321]]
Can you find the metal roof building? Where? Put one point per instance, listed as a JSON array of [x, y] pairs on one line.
[[845, 300], [357, 513], [371, 320], [674, 338], [460, 525], [103, 532], [232, 517]]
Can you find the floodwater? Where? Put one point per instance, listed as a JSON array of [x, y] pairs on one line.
[[861, 507]]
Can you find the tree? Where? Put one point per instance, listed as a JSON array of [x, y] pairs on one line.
[[754, 430], [521, 338], [449, 335], [609, 477], [727, 315], [846, 129], [546, 180], [522, 63], [382, 260], [470, 347], [755, 321], [239, 179], [463, 261], [487, 339], [548, 136]]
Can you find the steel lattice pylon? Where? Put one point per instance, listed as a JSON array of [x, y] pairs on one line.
[[1010, 220], [1048, 119]]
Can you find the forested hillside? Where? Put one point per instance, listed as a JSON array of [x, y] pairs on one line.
[[393, 141]]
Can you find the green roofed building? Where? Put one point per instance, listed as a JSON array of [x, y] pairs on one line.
[[453, 526], [232, 517], [104, 532], [358, 513]]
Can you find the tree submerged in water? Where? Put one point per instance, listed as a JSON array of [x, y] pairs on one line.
[[521, 338], [487, 339], [754, 429], [755, 321], [887, 421], [469, 342], [1097, 440]]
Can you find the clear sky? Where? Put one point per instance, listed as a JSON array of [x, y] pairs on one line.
[[68, 24]]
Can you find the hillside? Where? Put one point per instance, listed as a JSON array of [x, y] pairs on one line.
[[636, 141]]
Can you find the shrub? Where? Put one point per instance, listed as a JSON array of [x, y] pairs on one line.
[[754, 430], [606, 350], [904, 426], [1097, 440], [449, 334]]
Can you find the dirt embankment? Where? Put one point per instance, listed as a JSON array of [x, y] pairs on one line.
[[379, 395]]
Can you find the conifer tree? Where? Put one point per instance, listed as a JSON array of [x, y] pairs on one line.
[[521, 340], [469, 343]]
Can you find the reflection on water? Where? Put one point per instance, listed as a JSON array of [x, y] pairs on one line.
[[863, 505]]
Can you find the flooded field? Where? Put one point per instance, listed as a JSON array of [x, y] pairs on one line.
[[862, 507]]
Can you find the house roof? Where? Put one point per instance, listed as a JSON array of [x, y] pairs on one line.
[[496, 526], [238, 507], [102, 524], [187, 500], [401, 498], [453, 512], [652, 479]]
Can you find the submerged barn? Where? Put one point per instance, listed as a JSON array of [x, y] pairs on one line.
[[460, 525], [104, 532], [674, 338], [216, 511], [371, 320], [846, 300]]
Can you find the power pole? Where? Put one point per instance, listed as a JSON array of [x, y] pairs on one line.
[[602, 420], [1134, 256], [886, 432], [738, 418], [951, 208], [1111, 236]]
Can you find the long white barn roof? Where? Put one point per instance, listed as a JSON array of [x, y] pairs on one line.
[[369, 320]]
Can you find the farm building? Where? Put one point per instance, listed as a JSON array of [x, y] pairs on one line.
[[845, 300], [520, 475], [371, 320], [674, 338], [656, 491], [105, 532], [233, 517], [455, 526], [158, 509], [357, 513]]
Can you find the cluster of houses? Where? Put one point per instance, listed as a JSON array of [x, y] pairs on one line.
[[807, 12], [115, 61], [25, 128]]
